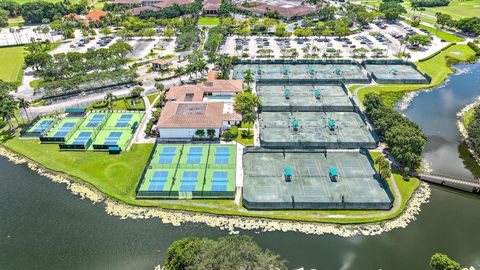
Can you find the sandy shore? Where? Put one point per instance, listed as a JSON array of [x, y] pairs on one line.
[[230, 223]]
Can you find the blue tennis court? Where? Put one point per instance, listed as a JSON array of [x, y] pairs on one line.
[[64, 130], [96, 120], [123, 120], [222, 155], [43, 125], [158, 181], [166, 157], [194, 155], [169, 150], [189, 181], [82, 138], [219, 181], [113, 138]]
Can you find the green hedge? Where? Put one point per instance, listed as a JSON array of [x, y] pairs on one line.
[[474, 47], [437, 53]]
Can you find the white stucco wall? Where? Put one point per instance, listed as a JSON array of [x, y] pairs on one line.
[[181, 132]]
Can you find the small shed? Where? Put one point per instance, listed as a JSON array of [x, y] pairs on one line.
[[338, 70], [317, 94], [160, 65], [286, 93]]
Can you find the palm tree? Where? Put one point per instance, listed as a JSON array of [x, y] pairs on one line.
[[211, 133], [109, 99], [24, 105], [12, 31], [249, 117], [6, 116], [224, 63], [248, 78], [200, 133], [7, 111], [178, 71], [294, 53], [305, 51]]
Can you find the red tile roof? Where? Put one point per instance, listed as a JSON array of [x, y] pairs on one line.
[[294, 11], [95, 15], [212, 85], [159, 62], [191, 115], [160, 4]]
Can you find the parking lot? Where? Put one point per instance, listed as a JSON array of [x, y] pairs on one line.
[[25, 34], [380, 40], [141, 46]]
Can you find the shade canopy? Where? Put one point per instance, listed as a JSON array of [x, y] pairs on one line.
[[331, 123], [288, 171], [333, 171], [75, 110]]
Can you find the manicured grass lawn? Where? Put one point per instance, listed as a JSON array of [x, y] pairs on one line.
[[35, 83], [244, 141], [405, 187], [152, 97], [459, 9], [15, 21], [118, 105], [246, 125], [208, 21], [12, 61], [111, 174], [435, 67], [439, 33]]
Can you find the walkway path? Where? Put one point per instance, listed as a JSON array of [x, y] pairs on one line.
[[140, 136]]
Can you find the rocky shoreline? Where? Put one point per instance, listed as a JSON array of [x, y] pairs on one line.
[[463, 130], [230, 223]]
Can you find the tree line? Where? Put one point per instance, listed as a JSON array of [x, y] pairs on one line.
[[466, 25], [67, 65], [473, 129], [174, 11], [40, 11], [9, 105], [64, 71], [430, 3], [231, 252], [404, 137]]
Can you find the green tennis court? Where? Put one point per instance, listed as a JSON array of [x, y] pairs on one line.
[[123, 120], [64, 128], [184, 171], [39, 127], [117, 129]]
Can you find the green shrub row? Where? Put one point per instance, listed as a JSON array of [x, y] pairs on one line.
[[152, 121], [474, 47], [437, 53]]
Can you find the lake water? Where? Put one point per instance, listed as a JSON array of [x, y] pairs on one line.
[[44, 226]]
